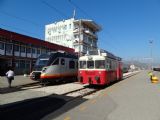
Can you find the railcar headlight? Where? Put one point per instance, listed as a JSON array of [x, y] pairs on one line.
[[99, 72], [44, 69]]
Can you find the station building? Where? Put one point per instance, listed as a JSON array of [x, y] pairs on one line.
[[79, 34], [20, 51]]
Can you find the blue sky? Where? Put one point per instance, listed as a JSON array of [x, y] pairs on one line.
[[127, 25]]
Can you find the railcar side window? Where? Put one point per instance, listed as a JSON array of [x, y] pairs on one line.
[[83, 64], [62, 62], [108, 64], [71, 64], [100, 64], [56, 62], [90, 64]]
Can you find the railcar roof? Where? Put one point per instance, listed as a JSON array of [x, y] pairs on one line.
[[99, 57], [59, 54]]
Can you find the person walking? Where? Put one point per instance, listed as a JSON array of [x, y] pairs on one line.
[[10, 76]]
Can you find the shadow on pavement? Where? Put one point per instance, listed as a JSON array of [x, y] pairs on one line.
[[33, 109], [38, 108], [35, 85], [14, 89]]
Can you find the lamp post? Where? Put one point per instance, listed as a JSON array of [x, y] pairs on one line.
[[151, 56]]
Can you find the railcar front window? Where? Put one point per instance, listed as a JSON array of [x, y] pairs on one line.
[[56, 62], [90, 64], [100, 64], [42, 62], [83, 64]]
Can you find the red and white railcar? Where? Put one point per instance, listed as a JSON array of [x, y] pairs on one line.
[[99, 67]]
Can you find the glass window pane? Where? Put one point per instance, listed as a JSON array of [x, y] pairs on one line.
[[28, 50], [56, 62], [62, 62], [16, 48], [83, 64], [33, 50], [1, 46], [8, 48], [100, 64], [71, 64], [22, 49], [90, 64]]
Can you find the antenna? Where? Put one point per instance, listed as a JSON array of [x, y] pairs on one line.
[[74, 13]]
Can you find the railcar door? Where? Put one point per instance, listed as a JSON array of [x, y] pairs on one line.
[[63, 67], [72, 67]]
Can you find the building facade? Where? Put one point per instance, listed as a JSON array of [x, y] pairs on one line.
[[20, 51], [80, 35]]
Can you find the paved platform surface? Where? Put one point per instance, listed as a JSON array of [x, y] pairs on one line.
[[18, 80], [19, 102], [134, 98]]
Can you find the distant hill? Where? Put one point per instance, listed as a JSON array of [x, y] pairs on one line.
[[136, 63]]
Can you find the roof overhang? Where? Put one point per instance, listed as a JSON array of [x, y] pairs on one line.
[[89, 23]]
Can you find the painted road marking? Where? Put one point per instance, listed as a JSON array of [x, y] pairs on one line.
[[67, 118], [82, 108], [105, 94], [93, 101], [100, 95]]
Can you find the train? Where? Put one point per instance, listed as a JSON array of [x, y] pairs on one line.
[[99, 67], [55, 66]]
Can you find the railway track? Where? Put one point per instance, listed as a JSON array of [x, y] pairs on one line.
[[79, 93], [29, 85], [87, 90]]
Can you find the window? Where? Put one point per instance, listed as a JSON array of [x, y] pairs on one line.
[[100, 64], [27, 64], [22, 64], [22, 49], [43, 51], [62, 62], [71, 64], [90, 64], [108, 64], [38, 51], [16, 48], [84, 48], [16, 63], [28, 50], [9, 48], [76, 36], [33, 50], [1, 46], [42, 61], [70, 26], [83, 64], [65, 27], [56, 62]]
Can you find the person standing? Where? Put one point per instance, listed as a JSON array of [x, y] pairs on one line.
[[10, 76]]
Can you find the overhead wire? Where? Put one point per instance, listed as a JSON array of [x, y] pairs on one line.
[[29, 21], [76, 6], [55, 9], [86, 14], [19, 29], [19, 18]]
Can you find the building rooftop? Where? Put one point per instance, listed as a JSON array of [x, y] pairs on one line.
[[90, 23], [34, 41]]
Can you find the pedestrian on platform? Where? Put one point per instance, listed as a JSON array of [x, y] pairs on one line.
[[10, 76]]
